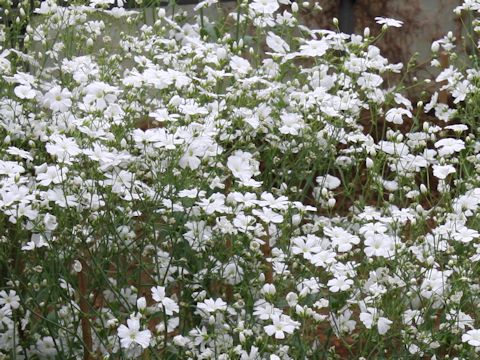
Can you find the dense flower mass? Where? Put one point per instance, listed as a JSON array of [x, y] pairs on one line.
[[238, 188]]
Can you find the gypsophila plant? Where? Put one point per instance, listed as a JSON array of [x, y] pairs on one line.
[[237, 187]]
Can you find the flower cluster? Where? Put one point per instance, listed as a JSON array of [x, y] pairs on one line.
[[244, 188]]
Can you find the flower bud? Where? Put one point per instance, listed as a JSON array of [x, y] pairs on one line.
[[292, 299], [141, 303], [269, 289], [368, 163], [324, 192], [331, 202], [77, 266]]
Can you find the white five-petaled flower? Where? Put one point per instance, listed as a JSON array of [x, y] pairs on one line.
[[448, 146], [58, 99], [281, 324], [339, 283], [212, 305], [264, 6], [10, 299], [268, 216], [24, 92], [388, 21], [369, 317], [277, 44], [131, 334], [472, 337], [395, 115], [442, 171], [170, 306]]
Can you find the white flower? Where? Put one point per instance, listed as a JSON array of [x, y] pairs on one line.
[[131, 334], [370, 316], [239, 65], [46, 7], [328, 181], [24, 92], [276, 43], [54, 174], [242, 165], [10, 299], [264, 6], [268, 216], [379, 245], [37, 241], [449, 146], [204, 4], [170, 306], [281, 324], [314, 48], [339, 283], [324, 258], [98, 95], [212, 305], [465, 234], [264, 310], [461, 90], [307, 247], [291, 123], [341, 238], [388, 21], [383, 325], [472, 337], [58, 99], [442, 171], [395, 115]]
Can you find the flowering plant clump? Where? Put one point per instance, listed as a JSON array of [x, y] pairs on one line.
[[238, 188]]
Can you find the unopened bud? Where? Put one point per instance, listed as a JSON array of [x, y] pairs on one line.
[[368, 163], [141, 303], [269, 289], [331, 202], [77, 266]]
